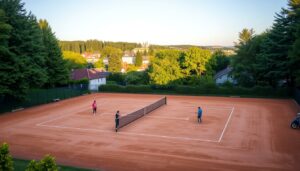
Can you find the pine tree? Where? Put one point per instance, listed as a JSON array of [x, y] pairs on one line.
[[138, 59], [294, 52], [56, 67], [6, 58], [27, 52], [114, 57]]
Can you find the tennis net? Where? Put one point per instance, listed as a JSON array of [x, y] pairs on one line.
[[125, 120]]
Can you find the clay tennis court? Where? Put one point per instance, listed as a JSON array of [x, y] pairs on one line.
[[236, 133]]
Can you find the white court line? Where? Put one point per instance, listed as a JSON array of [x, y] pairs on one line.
[[140, 134], [218, 108], [129, 133], [226, 125], [158, 117]]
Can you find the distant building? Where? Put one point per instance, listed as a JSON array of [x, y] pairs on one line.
[[128, 57], [224, 75], [91, 57], [146, 60], [228, 52], [141, 50], [105, 61], [96, 77]]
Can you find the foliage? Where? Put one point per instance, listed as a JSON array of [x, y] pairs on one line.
[[47, 163], [217, 62], [272, 57], [114, 56], [195, 60], [111, 82], [99, 63], [25, 57], [74, 60], [245, 63], [22, 164], [30, 55], [131, 68], [294, 53], [136, 77], [6, 162], [138, 59], [6, 57], [165, 67], [82, 81], [117, 77], [195, 80], [56, 66], [245, 35]]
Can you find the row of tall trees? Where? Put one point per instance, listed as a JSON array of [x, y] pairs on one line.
[[273, 57], [29, 53], [95, 45]]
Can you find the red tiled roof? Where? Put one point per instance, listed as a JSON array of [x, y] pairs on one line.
[[90, 74]]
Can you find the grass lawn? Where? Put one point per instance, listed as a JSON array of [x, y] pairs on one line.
[[20, 165]]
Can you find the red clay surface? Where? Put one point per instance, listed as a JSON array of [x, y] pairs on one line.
[[236, 133]]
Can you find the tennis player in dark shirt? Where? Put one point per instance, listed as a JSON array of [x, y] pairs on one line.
[[117, 120]]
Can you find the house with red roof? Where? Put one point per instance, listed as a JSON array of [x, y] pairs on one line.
[[96, 77]]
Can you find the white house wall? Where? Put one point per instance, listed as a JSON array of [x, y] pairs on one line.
[[128, 59], [223, 79], [95, 83]]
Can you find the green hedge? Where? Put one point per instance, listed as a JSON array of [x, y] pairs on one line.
[[200, 90]]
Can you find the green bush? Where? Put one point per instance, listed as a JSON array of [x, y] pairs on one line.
[[47, 163], [138, 89], [111, 82], [137, 77], [111, 88], [82, 81], [119, 78], [6, 162]]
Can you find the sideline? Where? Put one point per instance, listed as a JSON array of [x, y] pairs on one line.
[[224, 129]]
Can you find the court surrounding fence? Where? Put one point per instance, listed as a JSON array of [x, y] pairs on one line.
[[297, 95], [257, 91], [42, 96]]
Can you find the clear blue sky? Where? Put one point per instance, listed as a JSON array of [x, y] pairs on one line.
[[198, 22]]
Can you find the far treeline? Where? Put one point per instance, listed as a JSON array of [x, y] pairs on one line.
[[95, 46]]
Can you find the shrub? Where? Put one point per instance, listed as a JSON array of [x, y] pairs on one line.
[[111, 88], [82, 81], [118, 77], [138, 89], [111, 82], [47, 163], [138, 77], [6, 162]]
